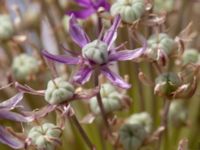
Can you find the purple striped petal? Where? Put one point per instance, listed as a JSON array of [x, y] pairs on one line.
[[12, 102], [83, 75], [6, 114], [111, 34], [7, 138], [61, 59], [83, 14], [77, 33], [114, 78]]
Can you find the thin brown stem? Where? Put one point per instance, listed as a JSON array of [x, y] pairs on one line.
[[100, 103], [82, 132]]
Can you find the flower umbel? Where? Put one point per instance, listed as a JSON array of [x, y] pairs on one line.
[[97, 55]]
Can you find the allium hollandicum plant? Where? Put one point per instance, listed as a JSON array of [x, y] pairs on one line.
[[99, 74]]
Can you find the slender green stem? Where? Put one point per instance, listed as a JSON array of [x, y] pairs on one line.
[[164, 123]]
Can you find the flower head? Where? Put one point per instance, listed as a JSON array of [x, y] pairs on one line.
[[98, 54], [89, 7]]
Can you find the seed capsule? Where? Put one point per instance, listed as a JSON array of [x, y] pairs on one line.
[[24, 66], [58, 91], [96, 52], [160, 42], [45, 136], [111, 99], [190, 56], [166, 84], [129, 10]]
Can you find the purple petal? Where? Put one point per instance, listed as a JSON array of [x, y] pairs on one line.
[[83, 14], [6, 114], [40, 113], [129, 54], [114, 78], [61, 59], [83, 75], [84, 3], [77, 33], [8, 139], [12, 102], [126, 54], [111, 34]]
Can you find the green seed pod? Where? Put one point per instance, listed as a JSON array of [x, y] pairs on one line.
[[6, 27], [24, 66], [40, 136], [178, 113], [166, 84], [143, 119], [96, 52], [190, 56], [161, 41], [58, 91], [132, 136], [111, 99], [129, 10]]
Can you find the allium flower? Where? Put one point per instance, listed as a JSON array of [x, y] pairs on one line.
[[5, 113], [89, 7], [97, 54]]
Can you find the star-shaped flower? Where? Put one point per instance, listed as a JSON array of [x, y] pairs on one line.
[[97, 54]]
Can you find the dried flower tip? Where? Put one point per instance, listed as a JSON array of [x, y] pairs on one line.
[[46, 136], [24, 66], [96, 52], [160, 42], [178, 113], [132, 136], [166, 84], [58, 91], [190, 56], [6, 27], [111, 98], [129, 10], [143, 119]]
